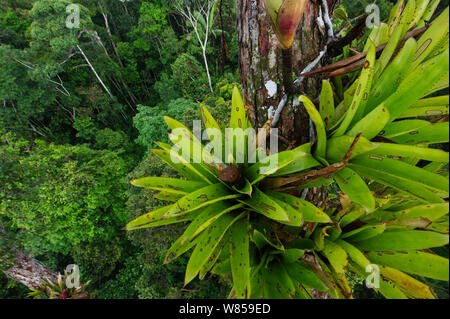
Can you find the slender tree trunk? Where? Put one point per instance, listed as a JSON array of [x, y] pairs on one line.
[[29, 271], [260, 62], [203, 8], [108, 30], [207, 68], [95, 72], [222, 40]]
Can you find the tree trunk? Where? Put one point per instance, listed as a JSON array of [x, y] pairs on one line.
[[260, 61], [29, 271], [222, 40]]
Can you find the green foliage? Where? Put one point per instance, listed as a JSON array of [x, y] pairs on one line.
[[99, 259], [148, 120], [151, 23], [10, 20], [14, 23], [28, 97], [48, 30], [122, 286], [10, 289], [156, 280], [167, 88], [62, 197], [112, 140], [85, 126], [252, 226], [190, 75], [219, 103]]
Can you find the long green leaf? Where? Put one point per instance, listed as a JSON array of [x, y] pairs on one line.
[[414, 262], [201, 222], [394, 74], [208, 241], [408, 186], [278, 285], [319, 124], [339, 146], [170, 185], [200, 198], [387, 289], [183, 168], [372, 123], [435, 106], [326, 106], [403, 127], [362, 93], [170, 197], [363, 233], [238, 118], [310, 212], [403, 240], [240, 259], [416, 84], [353, 186], [285, 162], [302, 273], [208, 119], [266, 206], [409, 285], [295, 216], [429, 211], [388, 51], [420, 8], [432, 38], [200, 170], [399, 150], [158, 217], [403, 170], [336, 255], [303, 160], [430, 134]]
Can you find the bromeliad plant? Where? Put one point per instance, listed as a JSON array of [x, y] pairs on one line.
[[284, 16], [58, 290], [253, 226]]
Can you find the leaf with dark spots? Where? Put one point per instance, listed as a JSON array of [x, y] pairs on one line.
[[414, 262], [205, 248], [240, 258], [266, 206]]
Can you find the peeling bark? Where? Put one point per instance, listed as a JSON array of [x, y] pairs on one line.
[[29, 271]]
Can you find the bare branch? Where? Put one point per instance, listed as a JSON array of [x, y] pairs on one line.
[[95, 72], [192, 11]]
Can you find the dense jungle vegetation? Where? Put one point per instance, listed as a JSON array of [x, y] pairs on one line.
[[79, 113]]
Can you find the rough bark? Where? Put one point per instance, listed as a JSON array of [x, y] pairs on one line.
[[260, 60], [29, 271]]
